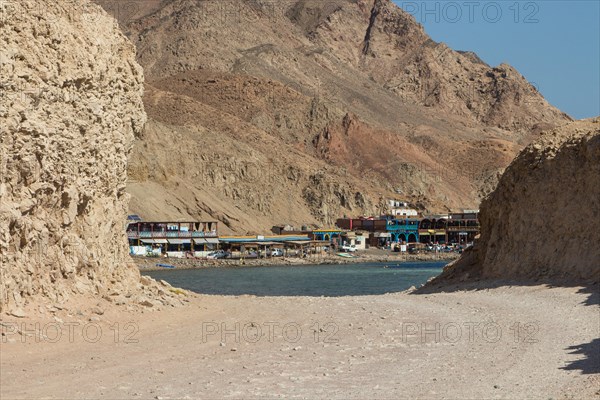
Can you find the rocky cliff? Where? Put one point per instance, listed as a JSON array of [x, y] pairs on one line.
[[71, 105], [542, 220]]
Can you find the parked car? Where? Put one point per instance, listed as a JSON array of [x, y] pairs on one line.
[[276, 253], [348, 248], [218, 255]]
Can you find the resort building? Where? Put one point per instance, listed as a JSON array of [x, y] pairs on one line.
[[331, 235], [403, 230], [383, 231], [433, 230], [380, 239], [362, 224], [174, 239], [458, 228], [401, 209], [463, 227], [355, 238]]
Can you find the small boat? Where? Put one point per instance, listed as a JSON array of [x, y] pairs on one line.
[[347, 255], [166, 266]]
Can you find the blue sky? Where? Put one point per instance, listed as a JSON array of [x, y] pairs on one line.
[[554, 44]]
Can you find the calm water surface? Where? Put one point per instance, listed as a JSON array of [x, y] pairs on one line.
[[317, 280]]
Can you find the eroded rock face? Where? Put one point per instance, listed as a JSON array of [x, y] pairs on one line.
[[542, 220], [71, 105]]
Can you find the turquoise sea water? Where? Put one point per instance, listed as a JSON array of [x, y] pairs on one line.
[[314, 280]]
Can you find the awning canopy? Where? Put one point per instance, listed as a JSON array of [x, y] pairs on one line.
[[180, 241], [154, 241], [382, 235], [206, 241], [299, 242], [308, 242]]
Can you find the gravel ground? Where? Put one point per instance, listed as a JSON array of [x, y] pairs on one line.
[[505, 342]]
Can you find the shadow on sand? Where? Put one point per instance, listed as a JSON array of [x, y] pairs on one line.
[[591, 363]]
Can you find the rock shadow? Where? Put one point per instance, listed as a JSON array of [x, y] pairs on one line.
[[591, 363], [591, 289]]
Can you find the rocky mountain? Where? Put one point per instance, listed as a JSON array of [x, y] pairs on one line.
[[267, 112], [68, 116], [540, 222]]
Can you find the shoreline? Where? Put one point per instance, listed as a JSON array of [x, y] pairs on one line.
[[150, 264]]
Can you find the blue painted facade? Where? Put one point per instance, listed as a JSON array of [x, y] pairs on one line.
[[403, 230], [327, 234]]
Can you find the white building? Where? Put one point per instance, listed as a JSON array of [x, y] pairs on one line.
[[401, 209], [404, 212]]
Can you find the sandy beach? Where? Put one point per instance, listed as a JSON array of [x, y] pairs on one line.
[[505, 342]]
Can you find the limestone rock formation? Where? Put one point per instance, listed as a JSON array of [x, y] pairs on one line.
[[542, 220], [71, 105]]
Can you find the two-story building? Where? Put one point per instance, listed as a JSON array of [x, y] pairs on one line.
[[175, 239], [403, 230], [463, 227], [384, 230], [401, 209], [433, 229]]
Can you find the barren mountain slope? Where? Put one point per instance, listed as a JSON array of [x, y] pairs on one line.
[[541, 221], [399, 55], [288, 40], [251, 169], [332, 89]]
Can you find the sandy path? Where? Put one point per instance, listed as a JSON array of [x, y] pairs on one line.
[[366, 347]]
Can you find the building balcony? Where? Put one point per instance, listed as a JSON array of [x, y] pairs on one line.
[[432, 231], [402, 228], [171, 235], [464, 229]]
